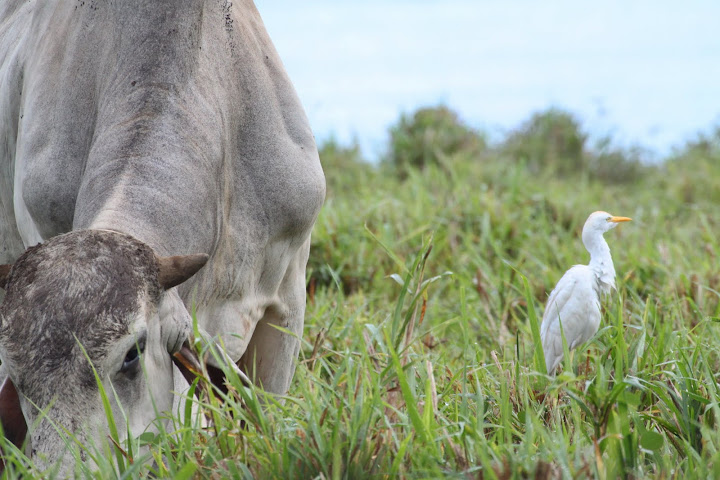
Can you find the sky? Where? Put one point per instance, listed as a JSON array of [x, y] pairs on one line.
[[646, 73]]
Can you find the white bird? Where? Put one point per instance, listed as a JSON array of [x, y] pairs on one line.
[[575, 300]]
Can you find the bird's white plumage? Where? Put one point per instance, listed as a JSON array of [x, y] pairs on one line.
[[575, 300]]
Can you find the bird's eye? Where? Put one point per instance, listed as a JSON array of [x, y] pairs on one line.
[[132, 358]]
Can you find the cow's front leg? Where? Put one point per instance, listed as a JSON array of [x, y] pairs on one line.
[[272, 353], [11, 244]]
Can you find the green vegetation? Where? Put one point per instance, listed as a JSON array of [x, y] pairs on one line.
[[428, 137], [552, 141], [419, 359]]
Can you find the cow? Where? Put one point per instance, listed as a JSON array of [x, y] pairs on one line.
[[154, 160]]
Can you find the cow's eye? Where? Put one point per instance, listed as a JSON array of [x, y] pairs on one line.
[[132, 358]]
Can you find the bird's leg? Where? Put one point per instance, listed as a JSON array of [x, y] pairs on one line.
[[587, 361]]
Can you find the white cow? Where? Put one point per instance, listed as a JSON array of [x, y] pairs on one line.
[[146, 129]]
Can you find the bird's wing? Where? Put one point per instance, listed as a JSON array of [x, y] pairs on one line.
[[560, 295], [574, 302]]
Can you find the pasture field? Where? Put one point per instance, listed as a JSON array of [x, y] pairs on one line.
[[418, 358]]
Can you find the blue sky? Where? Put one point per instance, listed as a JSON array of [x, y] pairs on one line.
[[645, 72]]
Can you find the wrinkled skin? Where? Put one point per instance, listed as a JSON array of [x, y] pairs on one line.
[[174, 123]]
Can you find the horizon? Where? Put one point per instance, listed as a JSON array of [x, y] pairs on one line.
[[645, 74]]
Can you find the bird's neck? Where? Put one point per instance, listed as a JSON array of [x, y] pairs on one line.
[[601, 261]]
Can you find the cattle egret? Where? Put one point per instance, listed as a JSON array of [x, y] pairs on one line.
[[575, 300]]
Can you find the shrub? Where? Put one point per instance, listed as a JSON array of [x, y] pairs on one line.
[[344, 167], [692, 174], [615, 165], [549, 140], [552, 141], [429, 135]]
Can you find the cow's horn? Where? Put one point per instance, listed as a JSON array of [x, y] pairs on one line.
[[4, 274], [175, 270]]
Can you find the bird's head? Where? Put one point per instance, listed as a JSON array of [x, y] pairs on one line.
[[601, 222]]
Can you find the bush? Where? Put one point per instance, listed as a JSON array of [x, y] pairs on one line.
[[692, 174], [427, 136], [344, 167], [615, 165], [549, 140], [553, 141]]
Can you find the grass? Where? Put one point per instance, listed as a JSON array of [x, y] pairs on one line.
[[420, 354]]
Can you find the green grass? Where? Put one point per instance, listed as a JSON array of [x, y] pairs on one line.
[[419, 357]]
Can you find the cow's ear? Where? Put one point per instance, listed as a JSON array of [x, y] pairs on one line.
[[173, 271], [4, 274]]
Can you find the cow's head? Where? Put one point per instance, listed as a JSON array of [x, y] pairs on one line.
[[90, 295]]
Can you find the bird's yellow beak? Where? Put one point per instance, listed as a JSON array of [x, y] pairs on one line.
[[619, 219]]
